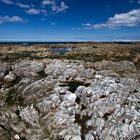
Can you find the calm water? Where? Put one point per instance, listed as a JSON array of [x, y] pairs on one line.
[[59, 50]]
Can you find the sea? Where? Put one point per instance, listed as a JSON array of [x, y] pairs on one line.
[[35, 43]]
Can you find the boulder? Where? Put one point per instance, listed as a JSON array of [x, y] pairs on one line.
[[34, 90], [4, 69], [10, 77], [28, 68]]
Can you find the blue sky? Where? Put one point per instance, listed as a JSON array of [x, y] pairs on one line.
[[69, 20]]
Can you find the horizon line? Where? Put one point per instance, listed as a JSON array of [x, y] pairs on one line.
[[61, 41]]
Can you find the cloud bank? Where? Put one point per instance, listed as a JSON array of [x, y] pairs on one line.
[[5, 19], [43, 7], [129, 19]]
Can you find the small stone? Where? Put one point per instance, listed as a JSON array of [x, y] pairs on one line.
[[89, 137], [9, 78], [76, 138], [108, 137], [101, 114], [16, 137], [70, 97], [30, 115], [18, 127]]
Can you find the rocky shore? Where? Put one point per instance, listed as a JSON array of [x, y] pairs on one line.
[[69, 100]]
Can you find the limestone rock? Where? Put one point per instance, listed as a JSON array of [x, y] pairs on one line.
[[35, 90], [108, 103], [30, 115], [16, 137], [10, 77], [89, 137], [4, 69], [73, 101], [66, 71], [28, 68], [110, 65]]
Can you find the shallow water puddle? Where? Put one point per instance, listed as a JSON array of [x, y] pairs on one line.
[[59, 50]]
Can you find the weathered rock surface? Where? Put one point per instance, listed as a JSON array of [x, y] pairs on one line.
[[70, 100], [34, 90], [10, 77], [112, 107], [110, 65], [28, 68], [68, 71], [4, 69]]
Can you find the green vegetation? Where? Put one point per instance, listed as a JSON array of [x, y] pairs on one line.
[[12, 98], [41, 75], [14, 56]]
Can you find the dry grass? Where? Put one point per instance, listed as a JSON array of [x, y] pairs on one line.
[[91, 51]]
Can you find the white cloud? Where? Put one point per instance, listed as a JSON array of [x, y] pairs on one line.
[[21, 5], [7, 1], [129, 19], [44, 7], [4, 19], [32, 11], [127, 40], [47, 2], [87, 24], [62, 7], [138, 1], [55, 7]]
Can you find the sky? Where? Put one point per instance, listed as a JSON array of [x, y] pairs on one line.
[[69, 20]]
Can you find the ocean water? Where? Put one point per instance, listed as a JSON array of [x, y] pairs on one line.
[[35, 43]]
